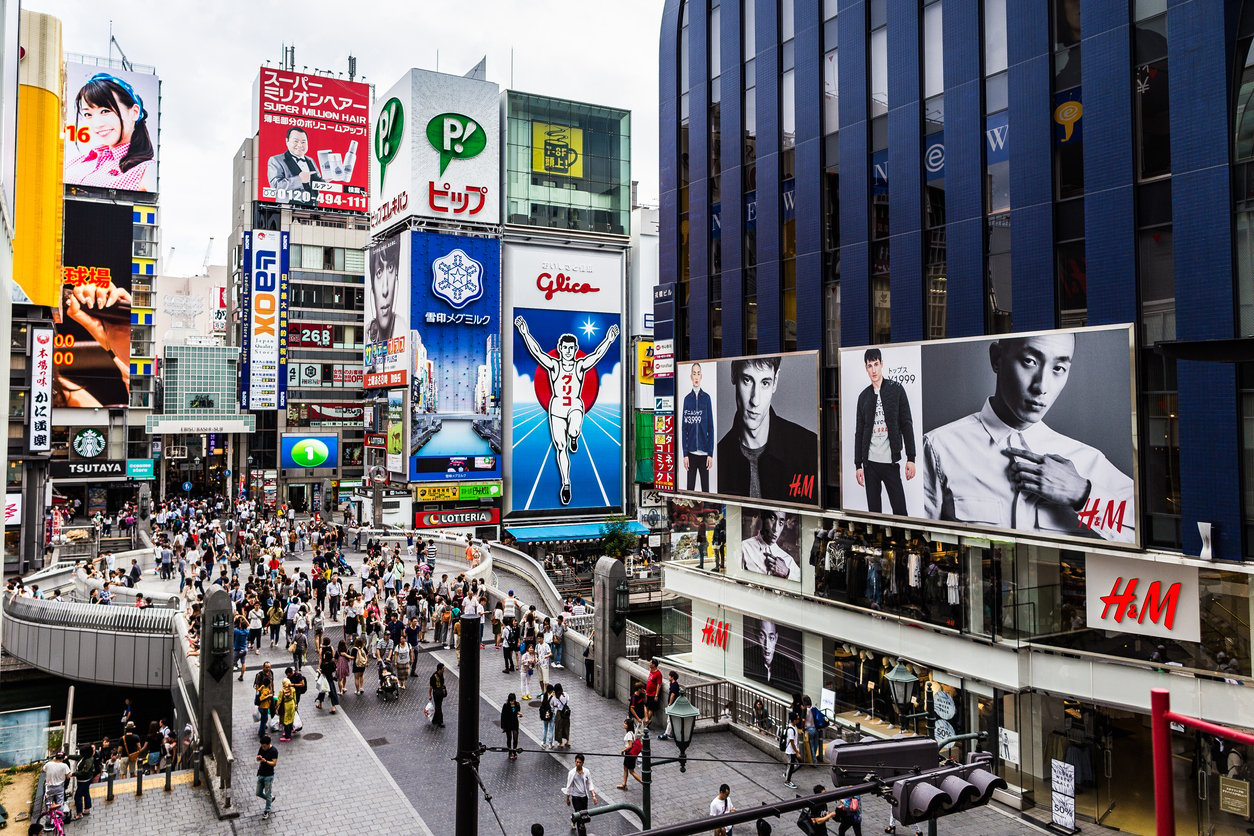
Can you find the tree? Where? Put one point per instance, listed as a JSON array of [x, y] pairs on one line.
[[616, 537]]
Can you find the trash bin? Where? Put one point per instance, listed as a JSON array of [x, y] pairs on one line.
[[650, 646]]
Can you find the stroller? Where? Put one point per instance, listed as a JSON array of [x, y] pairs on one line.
[[389, 685], [342, 566]]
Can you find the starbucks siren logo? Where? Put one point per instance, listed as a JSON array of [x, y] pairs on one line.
[[89, 443]]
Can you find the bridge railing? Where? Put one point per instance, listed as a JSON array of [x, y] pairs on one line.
[[91, 616]]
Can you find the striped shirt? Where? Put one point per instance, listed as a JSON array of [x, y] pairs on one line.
[[101, 167]]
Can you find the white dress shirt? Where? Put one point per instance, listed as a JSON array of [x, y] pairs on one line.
[[966, 478], [754, 553]]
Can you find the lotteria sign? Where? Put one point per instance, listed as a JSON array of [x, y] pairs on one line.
[[263, 378], [456, 519], [310, 451]]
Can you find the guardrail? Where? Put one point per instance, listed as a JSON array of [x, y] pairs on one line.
[[223, 758], [91, 616]]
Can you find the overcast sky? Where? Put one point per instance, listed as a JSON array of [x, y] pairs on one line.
[[208, 54]]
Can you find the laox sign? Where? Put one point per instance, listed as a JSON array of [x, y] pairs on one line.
[[1144, 597]]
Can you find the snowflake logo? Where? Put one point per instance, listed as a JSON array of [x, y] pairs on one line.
[[457, 279]]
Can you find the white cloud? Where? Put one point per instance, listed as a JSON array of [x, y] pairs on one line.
[[208, 56]]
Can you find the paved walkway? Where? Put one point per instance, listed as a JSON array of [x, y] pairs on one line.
[[384, 761]]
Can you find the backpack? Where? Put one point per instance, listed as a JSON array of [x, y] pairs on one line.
[[86, 769], [781, 737], [820, 719], [360, 659]]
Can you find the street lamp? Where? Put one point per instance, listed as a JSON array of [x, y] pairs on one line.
[[622, 605], [683, 716], [250, 477], [902, 683]]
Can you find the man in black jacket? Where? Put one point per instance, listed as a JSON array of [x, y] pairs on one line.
[[763, 455], [883, 429]]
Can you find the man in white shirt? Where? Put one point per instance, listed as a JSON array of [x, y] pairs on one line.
[[721, 805], [579, 787], [1005, 467], [56, 772], [763, 554]]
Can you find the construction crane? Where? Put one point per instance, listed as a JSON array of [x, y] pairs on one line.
[[204, 267]]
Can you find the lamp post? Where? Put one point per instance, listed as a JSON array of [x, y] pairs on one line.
[[622, 605], [683, 716], [251, 461], [903, 684], [195, 465]]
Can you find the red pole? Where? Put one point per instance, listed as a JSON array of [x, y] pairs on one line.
[[1164, 792]]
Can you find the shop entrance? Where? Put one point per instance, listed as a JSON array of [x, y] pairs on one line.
[[298, 497]]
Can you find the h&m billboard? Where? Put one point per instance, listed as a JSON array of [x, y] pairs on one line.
[[111, 128], [263, 367], [92, 346], [1029, 432], [312, 139], [565, 380], [747, 428], [437, 148], [454, 340]]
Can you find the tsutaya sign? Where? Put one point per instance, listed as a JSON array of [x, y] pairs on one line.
[[1145, 597]]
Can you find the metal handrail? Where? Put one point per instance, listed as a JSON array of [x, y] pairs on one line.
[[222, 748], [90, 616]]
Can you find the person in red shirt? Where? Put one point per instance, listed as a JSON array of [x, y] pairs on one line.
[[652, 691]]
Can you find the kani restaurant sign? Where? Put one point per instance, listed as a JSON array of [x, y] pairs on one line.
[[1144, 597]]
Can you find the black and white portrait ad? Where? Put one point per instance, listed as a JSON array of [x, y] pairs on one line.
[[881, 390], [770, 543], [749, 427], [1026, 432], [772, 654]]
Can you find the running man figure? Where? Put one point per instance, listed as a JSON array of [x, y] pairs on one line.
[[566, 374]]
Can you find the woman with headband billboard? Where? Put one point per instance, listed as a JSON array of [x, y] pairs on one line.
[[111, 119]]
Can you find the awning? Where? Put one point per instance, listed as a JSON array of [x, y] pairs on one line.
[[566, 531]]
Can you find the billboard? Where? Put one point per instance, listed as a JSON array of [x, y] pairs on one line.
[[394, 425], [388, 279], [42, 356], [566, 378], [747, 428], [437, 149], [302, 450], [556, 149], [111, 128], [1028, 432], [92, 346], [455, 388], [312, 139], [263, 364], [773, 654]]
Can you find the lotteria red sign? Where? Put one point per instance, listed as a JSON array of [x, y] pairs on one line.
[[457, 518]]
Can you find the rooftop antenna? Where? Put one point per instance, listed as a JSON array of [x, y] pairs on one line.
[[352, 67], [126, 64]]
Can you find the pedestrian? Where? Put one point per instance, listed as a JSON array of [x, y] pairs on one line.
[[674, 692], [849, 812], [131, 745], [721, 806], [241, 644], [561, 718], [267, 759], [404, 656], [510, 712], [636, 706], [343, 666], [632, 747], [544, 658], [298, 645], [652, 691], [436, 693], [589, 658], [56, 773], [360, 660], [85, 772], [263, 685], [792, 746], [299, 683], [819, 815], [526, 671], [579, 787], [508, 641], [559, 642], [286, 709], [546, 718]]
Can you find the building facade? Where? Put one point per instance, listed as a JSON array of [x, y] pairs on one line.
[[912, 179]]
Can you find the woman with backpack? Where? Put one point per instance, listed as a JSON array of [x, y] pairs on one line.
[[263, 684], [561, 718], [546, 718], [360, 660], [510, 713], [85, 772]]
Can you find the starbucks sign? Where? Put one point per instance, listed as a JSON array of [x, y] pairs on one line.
[[89, 443]]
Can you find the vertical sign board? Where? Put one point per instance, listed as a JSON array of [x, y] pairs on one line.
[[455, 345], [41, 390], [263, 368], [92, 347], [566, 378], [1062, 784], [664, 388], [388, 281], [436, 145]]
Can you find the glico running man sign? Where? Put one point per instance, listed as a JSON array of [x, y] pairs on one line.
[[263, 367]]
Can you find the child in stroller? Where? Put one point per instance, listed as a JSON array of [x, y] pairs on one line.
[[389, 685], [342, 565]]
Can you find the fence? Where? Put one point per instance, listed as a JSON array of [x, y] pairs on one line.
[[718, 700]]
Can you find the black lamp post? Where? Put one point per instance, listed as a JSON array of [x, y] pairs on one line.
[[902, 683], [251, 461], [220, 636], [683, 716], [622, 605]]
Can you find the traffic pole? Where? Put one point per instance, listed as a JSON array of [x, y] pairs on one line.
[[1164, 793], [468, 727]]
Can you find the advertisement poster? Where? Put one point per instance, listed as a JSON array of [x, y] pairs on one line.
[[42, 354], [309, 451], [770, 543], [388, 281], [692, 528], [455, 393], [567, 379], [772, 654], [313, 141], [437, 147], [263, 300], [1032, 432], [92, 346], [556, 149], [747, 427], [111, 128], [395, 428]]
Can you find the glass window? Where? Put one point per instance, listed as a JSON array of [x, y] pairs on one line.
[[1072, 284], [786, 20], [1153, 122], [1158, 285], [17, 403], [1000, 298], [831, 93], [933, 51], [1069, 144], [788, 110], [1161, 451], [748, 30], [995, 57], [1067, 23], [996, 93], [879, 71], [1245, 272], [716, 46]]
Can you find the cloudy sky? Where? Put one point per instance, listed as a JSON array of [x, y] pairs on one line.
[[208, 55]]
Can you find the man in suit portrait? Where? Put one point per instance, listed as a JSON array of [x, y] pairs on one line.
[[294, 170]]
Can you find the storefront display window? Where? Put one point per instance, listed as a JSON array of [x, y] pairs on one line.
[[891, 570]]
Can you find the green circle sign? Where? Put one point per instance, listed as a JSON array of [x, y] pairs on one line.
[[388, 128], [310, 452]]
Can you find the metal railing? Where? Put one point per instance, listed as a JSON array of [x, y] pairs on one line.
[[223, 758], [84, 548], [91, 616]]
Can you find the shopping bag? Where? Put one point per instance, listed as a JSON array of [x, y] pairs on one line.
[[274, 723], [322, 685], [297, 725], [429, 711], [256, 716]]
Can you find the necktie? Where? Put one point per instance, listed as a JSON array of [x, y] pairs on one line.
[[1021, 510]]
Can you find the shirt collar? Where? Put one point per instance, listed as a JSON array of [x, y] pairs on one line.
[[999, 431], [111, 152]]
